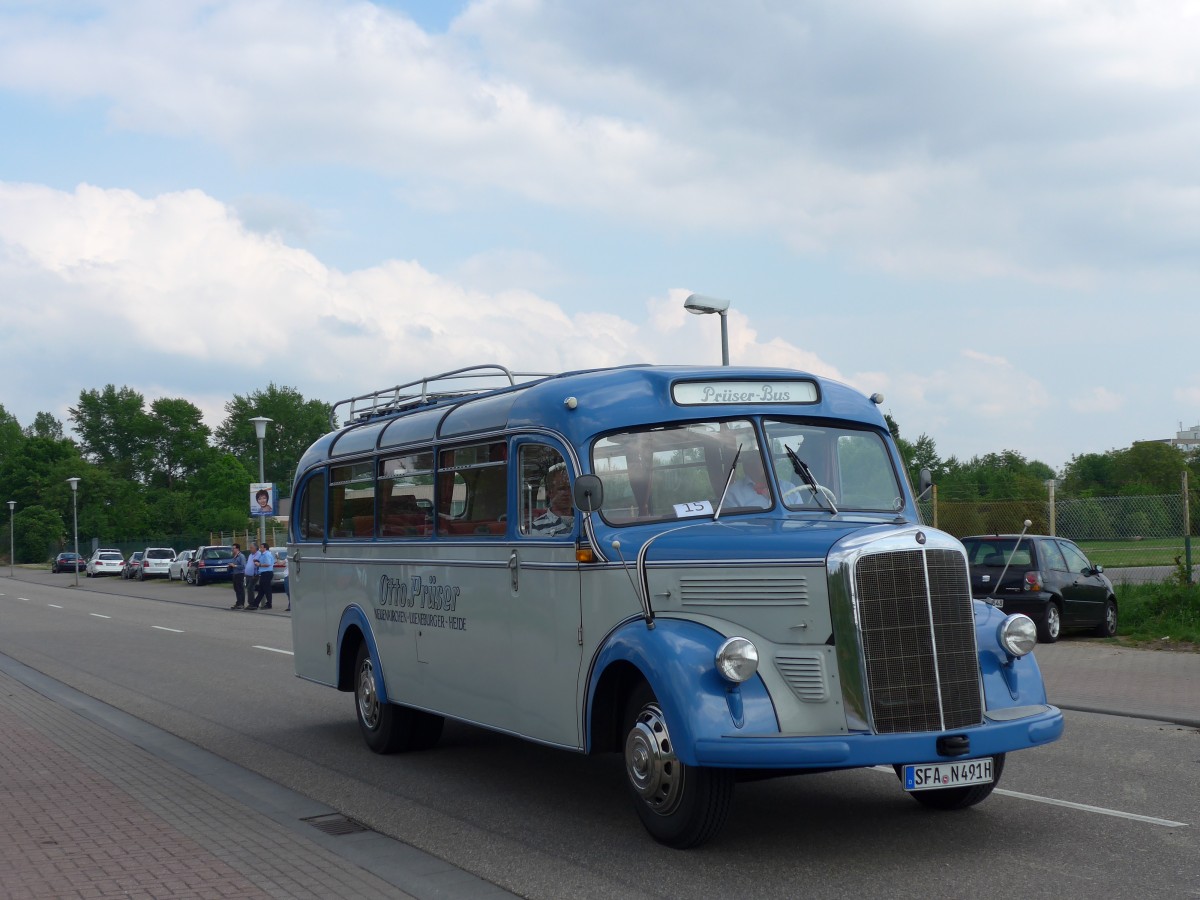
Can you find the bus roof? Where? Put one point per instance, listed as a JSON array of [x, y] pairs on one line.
[[582, 404]]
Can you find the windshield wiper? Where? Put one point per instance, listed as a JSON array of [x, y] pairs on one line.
[[801, 468], [728, 481]]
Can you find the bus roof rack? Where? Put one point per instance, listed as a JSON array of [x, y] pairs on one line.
[[476, 380]]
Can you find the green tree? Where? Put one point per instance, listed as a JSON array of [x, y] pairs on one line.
[[177, 441], [10, 433], [1146, 468], [1149, 467], [37, 535], [47, 426], [295, 424], [114, 430], [219, 493], [995, 476]]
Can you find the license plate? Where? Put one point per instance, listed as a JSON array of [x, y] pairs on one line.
[[934, 776]]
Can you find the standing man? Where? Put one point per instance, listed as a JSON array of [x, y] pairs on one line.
[[251, 575], [237, 566], [266, 572]]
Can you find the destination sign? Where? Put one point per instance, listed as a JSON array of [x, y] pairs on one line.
[[707, 393]]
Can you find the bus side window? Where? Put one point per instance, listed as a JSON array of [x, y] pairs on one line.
[[546, 508], [312, 509], [352, 501], [472, 494], [404, 482]]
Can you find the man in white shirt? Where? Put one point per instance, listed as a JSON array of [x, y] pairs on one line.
[[559, 517], [264, 562]]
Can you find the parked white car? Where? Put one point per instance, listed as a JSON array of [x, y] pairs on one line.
[[179, 565], [155, 561], [105, 562]]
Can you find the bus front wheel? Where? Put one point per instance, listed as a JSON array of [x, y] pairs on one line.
[[681, 806], [387, 727]]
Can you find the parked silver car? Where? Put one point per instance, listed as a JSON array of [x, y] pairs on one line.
[[155, 561], [178, 566], [105, 562]]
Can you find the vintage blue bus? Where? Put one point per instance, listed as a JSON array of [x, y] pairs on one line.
[[716, 572]]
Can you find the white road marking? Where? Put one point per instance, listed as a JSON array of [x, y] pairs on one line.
[[98, 616], [54, 606], [164, 628], [273, 649], [1099, 810], [1093, 809]]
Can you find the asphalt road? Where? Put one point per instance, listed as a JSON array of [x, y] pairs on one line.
[[1111, 810]]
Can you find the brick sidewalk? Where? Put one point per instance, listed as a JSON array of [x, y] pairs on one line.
[[84, 813]]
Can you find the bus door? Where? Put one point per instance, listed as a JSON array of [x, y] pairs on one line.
[[307, 571], [543, 592]]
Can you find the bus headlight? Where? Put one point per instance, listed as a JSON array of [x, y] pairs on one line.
[[1017, 635], [737, 659]]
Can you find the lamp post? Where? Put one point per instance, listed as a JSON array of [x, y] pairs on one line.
[[702, 306], [12, 504], [260, 429], [74, 482]]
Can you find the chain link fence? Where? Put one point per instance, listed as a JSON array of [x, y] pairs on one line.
[[1115, 532]]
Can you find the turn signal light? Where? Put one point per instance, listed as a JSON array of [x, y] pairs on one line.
[[585, 554]]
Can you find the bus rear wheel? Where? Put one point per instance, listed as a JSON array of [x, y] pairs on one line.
[[681, 806], [387, 727]]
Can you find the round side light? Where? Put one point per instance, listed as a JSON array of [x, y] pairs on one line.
[[1017, 635], [737, 659]]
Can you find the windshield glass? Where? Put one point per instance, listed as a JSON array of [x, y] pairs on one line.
[[679, 471], [851, 467]]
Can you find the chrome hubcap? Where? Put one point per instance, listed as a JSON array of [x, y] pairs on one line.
[[368, 700], [650, 762], [1052, 621]]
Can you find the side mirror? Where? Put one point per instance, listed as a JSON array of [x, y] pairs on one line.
[[926, 484], [589, 493]]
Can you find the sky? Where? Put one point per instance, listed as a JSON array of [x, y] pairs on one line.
[[988, 212]]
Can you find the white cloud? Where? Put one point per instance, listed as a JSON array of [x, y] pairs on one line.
[[167, 287], [1098, 400], [1031, 140]]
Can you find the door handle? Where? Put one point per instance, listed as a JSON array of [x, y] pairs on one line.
[[513, 567]]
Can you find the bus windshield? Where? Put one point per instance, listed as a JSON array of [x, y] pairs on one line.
[[651, 472], [851, 467]]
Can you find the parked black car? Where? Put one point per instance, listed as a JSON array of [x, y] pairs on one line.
[[68, 562], [130, 569], [1047, 578]]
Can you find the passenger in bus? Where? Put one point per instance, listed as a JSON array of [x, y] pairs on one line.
[[559, 517]]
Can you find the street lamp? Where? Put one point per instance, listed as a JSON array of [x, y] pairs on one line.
[[74, 482], [12, 504], [260, 429], [700, 305]]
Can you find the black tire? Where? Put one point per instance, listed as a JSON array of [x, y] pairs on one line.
[[1108, 625], [386, 727], [189, 577], [959, 797], [141, 576], [427, 730], [681, 806], [1050, 627]]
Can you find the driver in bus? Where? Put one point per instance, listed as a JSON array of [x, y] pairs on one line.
[[559, 517], [752, 490]]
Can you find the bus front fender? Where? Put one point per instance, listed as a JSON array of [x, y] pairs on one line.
[[353, 617], [677, 659]]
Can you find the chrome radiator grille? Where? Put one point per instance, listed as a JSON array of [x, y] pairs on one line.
[[918, 639]]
